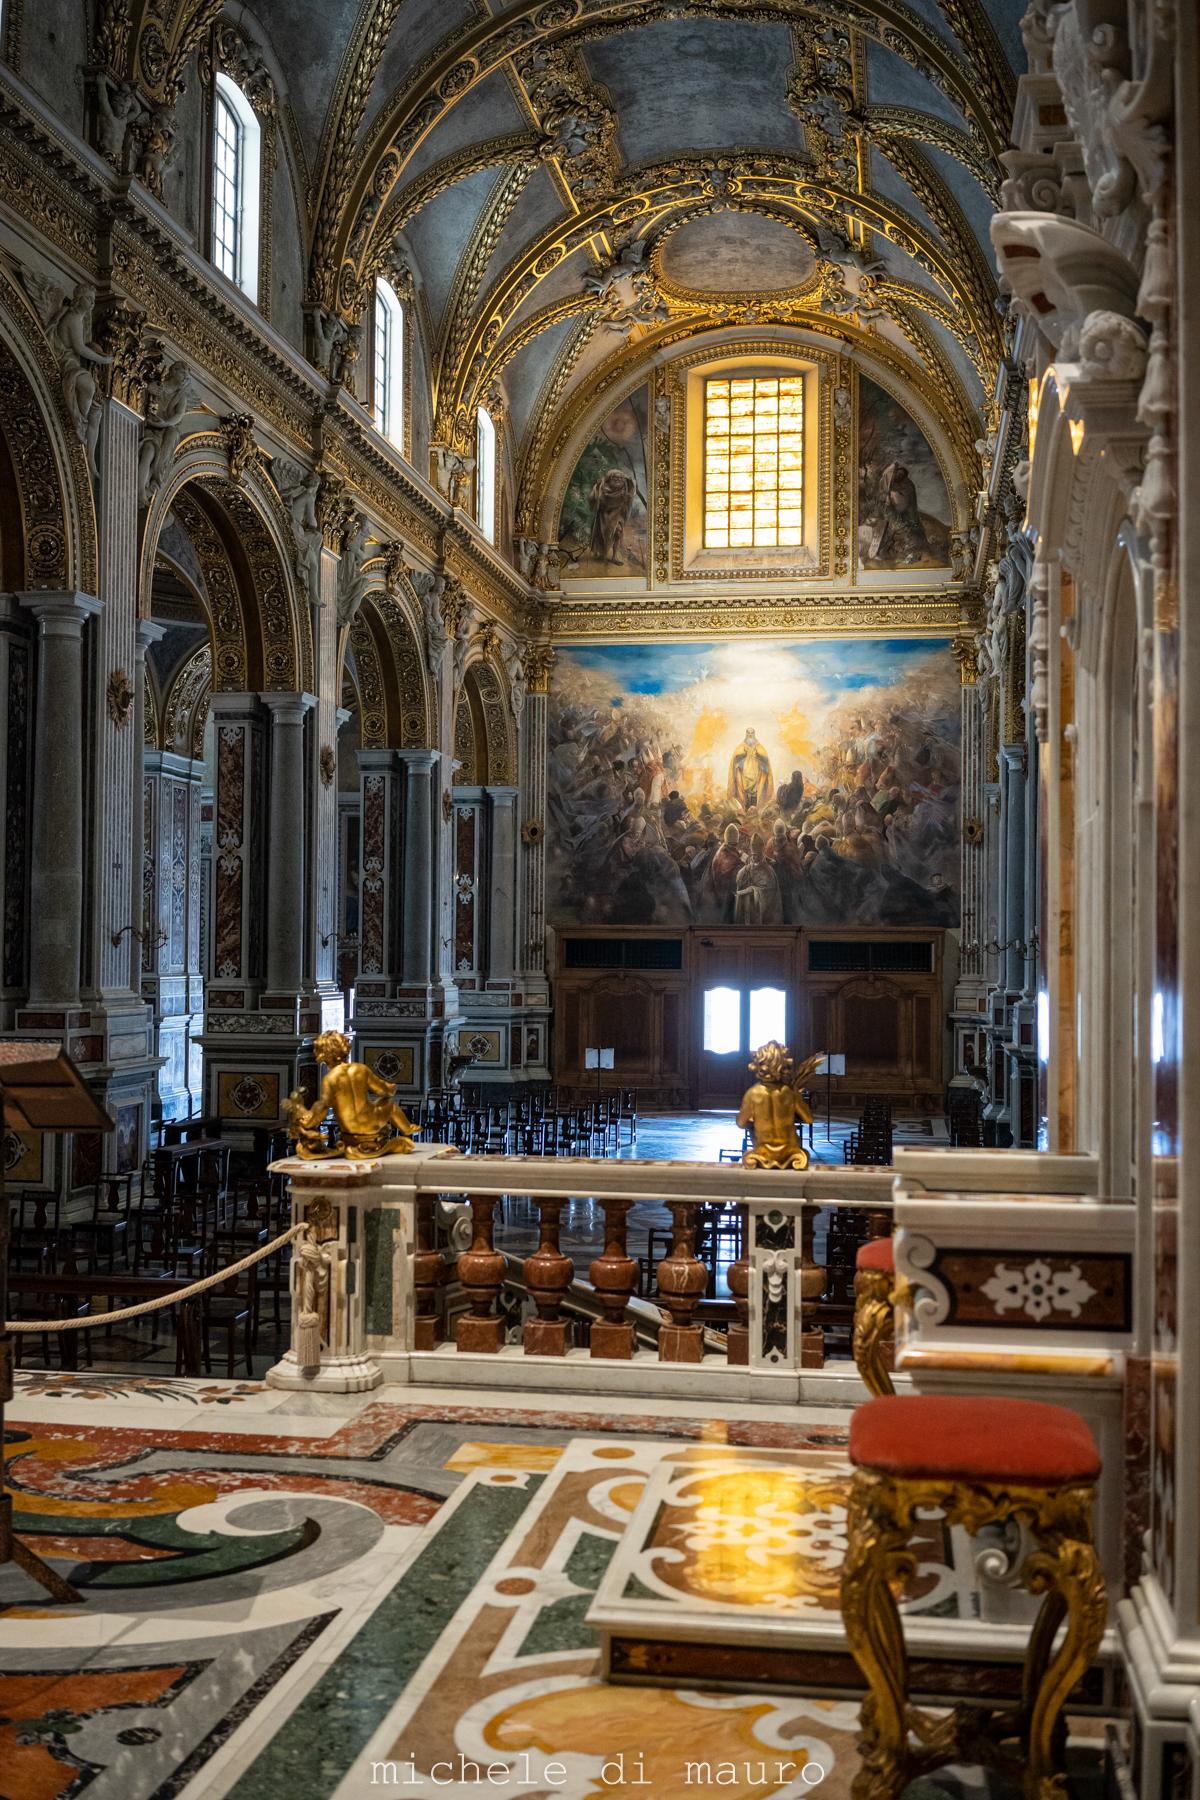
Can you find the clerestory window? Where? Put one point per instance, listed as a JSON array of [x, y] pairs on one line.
[[236, 200], [485, 474], [389, 362]]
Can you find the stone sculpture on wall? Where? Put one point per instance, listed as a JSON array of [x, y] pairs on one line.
[[169, 399], [68, 323]]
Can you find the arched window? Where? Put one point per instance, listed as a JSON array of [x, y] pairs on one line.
[[754, 462], [485, 475], [237, 177], [388, 353]]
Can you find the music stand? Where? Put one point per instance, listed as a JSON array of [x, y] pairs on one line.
[[40, 1090]]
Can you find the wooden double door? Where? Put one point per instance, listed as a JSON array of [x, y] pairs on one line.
[[744, 990]]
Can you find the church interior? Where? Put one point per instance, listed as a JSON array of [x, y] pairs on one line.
[[594, 703]]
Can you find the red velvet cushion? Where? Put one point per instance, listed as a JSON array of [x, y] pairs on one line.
[[876, 1253], [973, 1438]]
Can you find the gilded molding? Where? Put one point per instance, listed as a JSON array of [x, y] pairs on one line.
[[917, 613], [49, 462], [467, 55]]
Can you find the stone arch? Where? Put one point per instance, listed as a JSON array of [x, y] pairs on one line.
[[47, 514], [261, 635], [185, 709], [483, 727], [399, 709], [619, 376]]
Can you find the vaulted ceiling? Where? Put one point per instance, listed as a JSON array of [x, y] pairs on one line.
[[565, 177]]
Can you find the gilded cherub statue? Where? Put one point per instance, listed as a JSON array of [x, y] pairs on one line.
[[772, 1106], [369, 1121]]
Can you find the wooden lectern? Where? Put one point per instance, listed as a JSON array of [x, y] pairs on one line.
[[40, 1090]]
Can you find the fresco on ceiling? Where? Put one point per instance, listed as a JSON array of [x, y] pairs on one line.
[[903, 506], [603, 528], [754, 783]]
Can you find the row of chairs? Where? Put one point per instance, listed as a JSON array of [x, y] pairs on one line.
[[544, 1122], [178, 1219], [871, 1142]]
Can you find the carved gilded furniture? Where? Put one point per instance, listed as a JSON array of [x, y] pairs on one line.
[[979, 1460], [874, 1281]]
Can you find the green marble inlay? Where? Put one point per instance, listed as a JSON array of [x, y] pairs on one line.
[[308, 1757], [561, 1626], [379, 1253]]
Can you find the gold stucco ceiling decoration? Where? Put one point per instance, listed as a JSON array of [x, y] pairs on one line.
[[846, 216]]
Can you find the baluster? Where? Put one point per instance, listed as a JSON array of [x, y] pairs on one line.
[[812, 1285], [428, 1274], [738, 1277], [548, 1275], [682, 1278], [613, 1276], [481, 1271]]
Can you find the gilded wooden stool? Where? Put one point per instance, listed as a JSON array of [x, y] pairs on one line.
[[978, 1460], [874, 1281]]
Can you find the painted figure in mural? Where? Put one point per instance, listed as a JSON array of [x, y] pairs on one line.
[[602, 529], [770, 1108], [750, 783], [612, 498], [646, 827], [899, 534], [757, 894], [370, 1122]]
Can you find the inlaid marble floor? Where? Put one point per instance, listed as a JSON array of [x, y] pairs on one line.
[[289, 1594]]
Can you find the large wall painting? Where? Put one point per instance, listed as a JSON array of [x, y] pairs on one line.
[[754, 783], [903, 507], [603, 529]]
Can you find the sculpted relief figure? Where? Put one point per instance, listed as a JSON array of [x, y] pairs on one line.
[[119, 110], [427, 588], [352, 581], [168, 402], [68, 323], [299, 489]]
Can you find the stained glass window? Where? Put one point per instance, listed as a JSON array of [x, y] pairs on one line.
[[753, 462]]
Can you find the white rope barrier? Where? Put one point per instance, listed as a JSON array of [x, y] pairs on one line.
[[91, 1320]]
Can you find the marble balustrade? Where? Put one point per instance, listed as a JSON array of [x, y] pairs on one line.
[[420, 1309]]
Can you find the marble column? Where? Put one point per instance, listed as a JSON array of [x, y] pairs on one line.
[[287, 838], [969, 1012], [170, 977], [502, 882], [538, 664], [418, 960], [382, 783], [113, 752], [323, 862], [16, 714], [56, 885], [1014, 774], [236, 914]]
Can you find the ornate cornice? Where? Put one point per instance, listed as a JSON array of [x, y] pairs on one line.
[[923, 613]]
